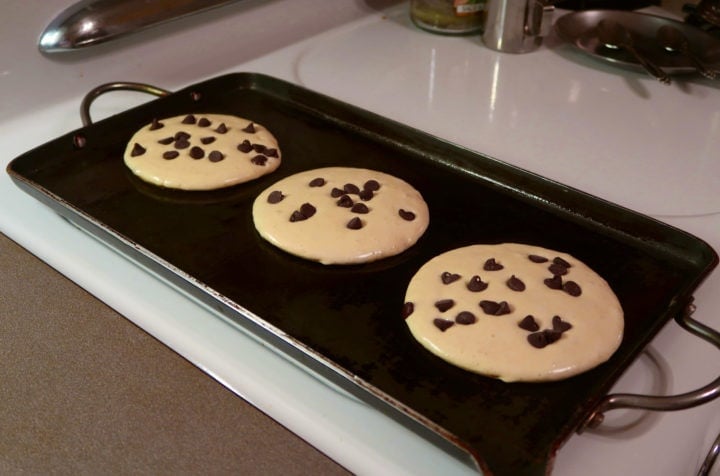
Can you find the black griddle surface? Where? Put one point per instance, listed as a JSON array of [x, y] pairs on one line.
[[345, 322]]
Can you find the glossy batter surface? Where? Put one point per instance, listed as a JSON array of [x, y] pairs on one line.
[[514, 312], [202, 151], [341, 215]]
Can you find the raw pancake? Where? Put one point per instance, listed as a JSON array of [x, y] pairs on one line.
[[341, 215], [469, 306], [201, 152]]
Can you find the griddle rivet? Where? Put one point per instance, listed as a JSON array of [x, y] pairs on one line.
[[195, 96], [79, 141]]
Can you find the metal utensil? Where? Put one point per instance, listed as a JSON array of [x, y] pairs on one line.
[[89, 22], [517, 26], [614, 35], [675, 41]]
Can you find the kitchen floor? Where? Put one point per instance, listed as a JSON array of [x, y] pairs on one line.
[[90, 392]]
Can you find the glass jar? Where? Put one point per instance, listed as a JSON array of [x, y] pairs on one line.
[[449, 17]]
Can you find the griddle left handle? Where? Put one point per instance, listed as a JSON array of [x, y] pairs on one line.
[[663, 403], [115, 86]]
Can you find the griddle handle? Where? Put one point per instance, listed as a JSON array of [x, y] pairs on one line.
[[115, 86], [664, 403]]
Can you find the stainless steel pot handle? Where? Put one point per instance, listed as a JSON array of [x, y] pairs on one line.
[[115, 86], [663, 403]]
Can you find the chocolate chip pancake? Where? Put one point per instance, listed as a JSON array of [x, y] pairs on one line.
[[514, 312], [202, 152], [341, 215]]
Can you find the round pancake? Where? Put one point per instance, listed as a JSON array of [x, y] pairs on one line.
[[202, 152], [341, 215], [470, 307]]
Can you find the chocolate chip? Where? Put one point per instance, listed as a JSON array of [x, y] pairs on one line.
[[537, 340], [207, 140], [465, 318], [558, 269], [360, 208], [259, 160], [216, 156], [407, 309], [197, 153], [476, 284], [515, 284], [489, 307], [155, 125], [553, 283], [259, 148], [276, 196], [537, 259], [351, 188], [345, 201], [305, 212], [443, 324], [271, 152], [492, 265], [245, 146], [495, 308], [572, 288], [448, 278], [372, 185], [336, 192], [170, 154], [297, 216], [444, 304], [221, 129], [528, 323], [366, 195], [250, 128], [504, 309], [543, 338], [406, 215], [355, 224], [189, 119], [204, 122], [181, 143], [558, 260], [551, 335], [181, 135], [166, 141], [559, 266], [137, 150], [559, 325], [317, 182]]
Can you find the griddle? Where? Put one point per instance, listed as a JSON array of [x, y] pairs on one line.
[[345, 323]]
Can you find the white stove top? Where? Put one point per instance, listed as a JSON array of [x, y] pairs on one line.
[[613, 133]]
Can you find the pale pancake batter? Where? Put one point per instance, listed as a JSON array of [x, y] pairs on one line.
[[514, 312], [341, 215], [202, 151]]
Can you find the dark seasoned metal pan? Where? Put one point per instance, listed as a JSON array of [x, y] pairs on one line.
[[345, 322]]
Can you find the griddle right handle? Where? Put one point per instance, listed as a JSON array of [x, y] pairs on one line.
[[664, 403]]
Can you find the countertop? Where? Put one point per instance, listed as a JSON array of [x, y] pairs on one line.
[[85, 391], [92, 382]]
